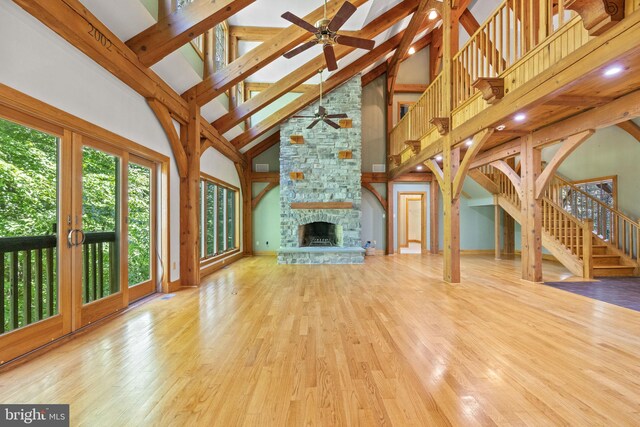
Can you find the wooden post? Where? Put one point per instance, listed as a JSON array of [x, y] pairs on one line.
[[247, 208], [390, 247], [451, 156], [190, 200], [587, 248], [451, 216], [434, 228], [165, 7], [531, 212], [496, 221], [208, 44], [508, 234]]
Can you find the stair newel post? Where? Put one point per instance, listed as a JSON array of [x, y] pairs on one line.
[[587, 248]]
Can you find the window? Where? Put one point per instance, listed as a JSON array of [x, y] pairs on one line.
[[403, 108], [591, 199], [220, 32], [218, 217]]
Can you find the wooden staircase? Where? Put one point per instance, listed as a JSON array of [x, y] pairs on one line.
[[598, 241]]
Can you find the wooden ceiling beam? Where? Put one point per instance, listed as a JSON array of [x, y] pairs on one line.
[[259, 87], [631, 128], [409, 88], [374, 73], [419, 16], [260, 56], [310, 69], [263, 146], [180, 27], [261, 34], [308, 97], [69, 19]]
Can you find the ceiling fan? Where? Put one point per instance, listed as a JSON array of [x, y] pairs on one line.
[[326, 34], [321, 115]]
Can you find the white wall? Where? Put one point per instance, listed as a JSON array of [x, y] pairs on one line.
[[41, 64]]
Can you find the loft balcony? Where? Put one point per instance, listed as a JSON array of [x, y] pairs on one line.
[[526, 67]]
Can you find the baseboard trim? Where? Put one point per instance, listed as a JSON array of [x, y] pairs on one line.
[[216, 265], [265, 253]]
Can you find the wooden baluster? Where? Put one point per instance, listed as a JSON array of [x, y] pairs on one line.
[[87, 284], [508, 34], [100, 271], [113, 284], [39, 290], [2, 293], [14, 294], [94, 272], [51, 295], [26, 274], [587, 250]]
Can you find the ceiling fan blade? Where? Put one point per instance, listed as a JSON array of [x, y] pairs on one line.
[[300, 49], [330, 57], [313, 123], [342, 16], [337, 116], [355, 42], [332, 123], [299, 22]]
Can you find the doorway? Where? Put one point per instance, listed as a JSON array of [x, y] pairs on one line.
[[412, 224], [78, 231]]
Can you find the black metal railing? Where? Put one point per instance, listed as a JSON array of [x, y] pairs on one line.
[[29, 276]]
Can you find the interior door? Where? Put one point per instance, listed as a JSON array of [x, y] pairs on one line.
[[97, 229]]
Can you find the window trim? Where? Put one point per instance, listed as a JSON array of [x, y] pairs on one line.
[[207, 260], [614, 181]]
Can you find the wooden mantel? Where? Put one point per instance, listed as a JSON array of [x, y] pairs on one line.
[[322, 205]]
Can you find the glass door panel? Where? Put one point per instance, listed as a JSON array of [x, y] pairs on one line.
[[100, 224], [28, 225], [139, 224], [231, 219], [220, 220]]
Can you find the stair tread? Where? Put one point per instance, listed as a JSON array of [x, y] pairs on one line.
[[606, 256], [615, 267]]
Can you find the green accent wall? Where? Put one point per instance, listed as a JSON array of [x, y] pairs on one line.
[[266, 220]]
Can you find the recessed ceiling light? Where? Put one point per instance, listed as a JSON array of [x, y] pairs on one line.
[[419, 167], [469, 142], [520, 117], [412, 50], [613, 70], [433, 15], [500, 127], [439, 158]]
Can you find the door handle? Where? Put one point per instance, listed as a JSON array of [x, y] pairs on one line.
[[84, 237], [70, 238]]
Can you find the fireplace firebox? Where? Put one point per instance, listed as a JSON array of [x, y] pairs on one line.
[[319, 234]]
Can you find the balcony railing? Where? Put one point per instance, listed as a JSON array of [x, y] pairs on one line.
[[28, 276]]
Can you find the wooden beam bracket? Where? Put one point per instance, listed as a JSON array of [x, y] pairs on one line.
[[492, 88], [414, 145], [396, 159], [599, 15], [442, 123]]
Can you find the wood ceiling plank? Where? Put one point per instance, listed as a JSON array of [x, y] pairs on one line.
[[260, 56], [180, 27], [310, 69]]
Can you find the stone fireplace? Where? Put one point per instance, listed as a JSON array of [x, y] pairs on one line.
[[320, 184]]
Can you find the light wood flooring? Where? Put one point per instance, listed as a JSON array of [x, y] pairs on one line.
[[386, 343]]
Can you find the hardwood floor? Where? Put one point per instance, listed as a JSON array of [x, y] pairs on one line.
[[384, 343]]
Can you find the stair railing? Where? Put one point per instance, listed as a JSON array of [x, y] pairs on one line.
[[609, 224]]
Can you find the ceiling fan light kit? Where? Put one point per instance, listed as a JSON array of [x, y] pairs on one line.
[[321, 115], [326, 32]]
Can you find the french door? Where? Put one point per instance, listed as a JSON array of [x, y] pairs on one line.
[[78, 235]]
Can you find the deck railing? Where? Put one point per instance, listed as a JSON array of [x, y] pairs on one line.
[[417, 121], [28, 276]]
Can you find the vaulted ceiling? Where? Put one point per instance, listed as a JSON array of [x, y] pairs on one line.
[[261, 62]]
